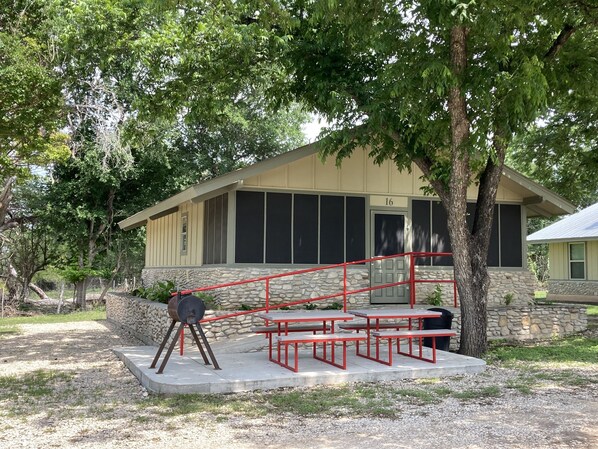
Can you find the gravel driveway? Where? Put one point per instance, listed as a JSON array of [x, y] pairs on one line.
[[71, 391]]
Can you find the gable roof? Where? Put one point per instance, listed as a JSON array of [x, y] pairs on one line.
[[538, 199], [582, 225]]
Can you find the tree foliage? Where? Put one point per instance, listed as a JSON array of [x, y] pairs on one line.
[[446, 85]]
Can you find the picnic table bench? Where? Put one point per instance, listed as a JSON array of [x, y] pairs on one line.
[[419, 334]]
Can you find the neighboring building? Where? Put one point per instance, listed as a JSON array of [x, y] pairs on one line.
[[294, 211], [572, 253]]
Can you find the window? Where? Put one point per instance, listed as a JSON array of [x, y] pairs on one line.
[[214, 229], [299, 228], [577, 260], [430, 233], [184, 233]]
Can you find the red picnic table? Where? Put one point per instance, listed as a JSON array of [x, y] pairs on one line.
[[373, 329], [326, 319]]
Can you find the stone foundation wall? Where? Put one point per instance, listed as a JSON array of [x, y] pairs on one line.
[[582, 288], [149, 321], [521, 284]]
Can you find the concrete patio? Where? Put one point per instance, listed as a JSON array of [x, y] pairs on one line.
[[245, 367]]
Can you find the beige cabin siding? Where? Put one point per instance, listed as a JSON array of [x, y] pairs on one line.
[[592, 260], [163, 248], [558, 255], [358, 174]]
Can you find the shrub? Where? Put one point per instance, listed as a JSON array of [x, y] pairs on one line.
[[435, 298], [161, 291], [508, 298]]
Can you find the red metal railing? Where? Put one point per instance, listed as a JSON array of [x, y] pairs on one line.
[[412, 282]]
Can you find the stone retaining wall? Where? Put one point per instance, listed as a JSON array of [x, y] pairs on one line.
[[321, 283], [149, 321], [582, 288]]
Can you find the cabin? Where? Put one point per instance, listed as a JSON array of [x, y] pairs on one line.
[[295, 211], [572, 253]]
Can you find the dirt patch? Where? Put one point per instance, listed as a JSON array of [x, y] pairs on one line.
[[61, 386]]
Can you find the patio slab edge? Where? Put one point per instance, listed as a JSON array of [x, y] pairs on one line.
[[252, 371]]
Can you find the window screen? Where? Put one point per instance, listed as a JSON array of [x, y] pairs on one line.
[[332, 226], [249, 229], [278, 227], [510, 236], [215, 229], [305, 229], [421, 224], [355, 225]]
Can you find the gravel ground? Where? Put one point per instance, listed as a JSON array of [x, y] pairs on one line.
[[69, 390]]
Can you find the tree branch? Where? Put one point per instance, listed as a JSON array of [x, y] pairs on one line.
[[560, 41]]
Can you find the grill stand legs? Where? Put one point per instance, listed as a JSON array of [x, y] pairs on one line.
[[174, 341]]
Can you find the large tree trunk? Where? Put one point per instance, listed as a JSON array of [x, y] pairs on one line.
[[81, 293], [470, 271]]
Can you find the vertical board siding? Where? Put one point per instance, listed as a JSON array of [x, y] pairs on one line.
[[558, 261], [163, 237], [357, 174], [592, 260]]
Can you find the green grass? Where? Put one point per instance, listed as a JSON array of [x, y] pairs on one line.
[[32, 385], [477, 393], [87, 315], [10, 329], [570, 350], [592, 310]]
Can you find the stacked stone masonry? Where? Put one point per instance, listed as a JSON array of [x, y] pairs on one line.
[[148, 321], [519, 284], [581, 288]]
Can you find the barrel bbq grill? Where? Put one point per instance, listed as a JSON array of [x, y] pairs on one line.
[[186, 310]]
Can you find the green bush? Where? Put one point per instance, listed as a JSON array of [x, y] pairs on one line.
[[435, 298], [160, 291]]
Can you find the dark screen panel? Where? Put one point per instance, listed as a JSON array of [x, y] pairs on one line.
[[224, 228], [441, 242], [215, 221], [332, 229], [278, 227], [420, 217], [249, 232], [305, 229], [510, 236], [492, 260], [355, 225]]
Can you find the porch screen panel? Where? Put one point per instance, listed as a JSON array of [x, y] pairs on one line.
[[249, 230], [215, 230], [305, 229], [493, 254], [355, 228], [510, 236], [420, 218], [441, 242], [332, 229], [278, 227]]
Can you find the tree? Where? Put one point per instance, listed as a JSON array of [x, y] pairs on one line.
[[30, 117], [444, 85], [139, 131]]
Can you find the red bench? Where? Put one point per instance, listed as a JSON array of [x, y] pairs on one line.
[[410, 335], [295, 340]]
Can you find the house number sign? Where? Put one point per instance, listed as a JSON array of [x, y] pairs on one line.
[[401, 202]]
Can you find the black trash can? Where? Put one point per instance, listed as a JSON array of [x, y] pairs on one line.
[[443, 322]]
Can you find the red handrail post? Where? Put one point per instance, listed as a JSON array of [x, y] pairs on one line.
[[267, 294], [411, 280], [345, 287]]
